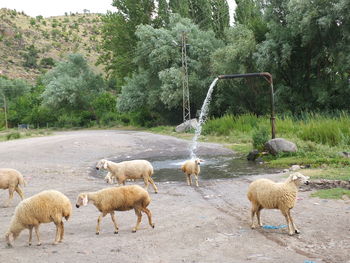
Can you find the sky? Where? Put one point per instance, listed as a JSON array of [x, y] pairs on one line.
[[48, 8]]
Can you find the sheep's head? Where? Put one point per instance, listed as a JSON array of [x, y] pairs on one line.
[[82, 200], [299, 178], [102, 164], [198, 161], [10, 238]]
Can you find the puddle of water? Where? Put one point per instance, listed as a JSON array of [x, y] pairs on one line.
[[217, 167], [213, 167]]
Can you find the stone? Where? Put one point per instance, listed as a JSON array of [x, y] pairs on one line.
[[187, 125], [277, 145], [295, 167]]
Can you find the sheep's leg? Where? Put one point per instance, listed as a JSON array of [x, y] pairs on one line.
[[139, 217], [115, 223], [30, 235], [153, 184], [62, 232], [146, 182], [289, 223], [258, 215], [20, 192], [188, 179], [37, 234], [196, 177], [11, 190], [58, 232], [296, 230], [149, 215], [253, 212], [99, 222]]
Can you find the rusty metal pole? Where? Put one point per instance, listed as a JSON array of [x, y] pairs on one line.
[[268, 78]]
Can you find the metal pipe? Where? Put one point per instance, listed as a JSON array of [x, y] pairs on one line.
[[268, 78]]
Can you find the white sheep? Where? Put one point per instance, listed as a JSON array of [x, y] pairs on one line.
[[11, 179], [121, 198], [44, 207], [191, 167], [136, 169], [264, 193]]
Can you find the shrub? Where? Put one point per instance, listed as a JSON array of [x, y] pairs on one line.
[[13, 135], [260, 137]]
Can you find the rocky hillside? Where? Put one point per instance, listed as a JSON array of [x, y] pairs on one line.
[[31, 45]]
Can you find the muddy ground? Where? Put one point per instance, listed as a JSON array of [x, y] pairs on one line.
[[205, 224]]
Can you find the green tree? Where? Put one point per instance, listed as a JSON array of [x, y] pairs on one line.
[[157, 84], [30, 57], [72, 86]]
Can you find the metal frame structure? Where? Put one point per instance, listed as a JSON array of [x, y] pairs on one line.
[[268, 78]]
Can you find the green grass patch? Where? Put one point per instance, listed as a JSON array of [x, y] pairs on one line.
[[335, 193]]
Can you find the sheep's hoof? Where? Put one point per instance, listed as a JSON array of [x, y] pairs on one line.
[[291, 233], [297, 231], [252, 226], [29, 244], [39, 244], [115, 232], [134, 230], [97, 233], [152, 225]]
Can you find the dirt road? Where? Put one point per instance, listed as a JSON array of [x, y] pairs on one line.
[[205, 224]]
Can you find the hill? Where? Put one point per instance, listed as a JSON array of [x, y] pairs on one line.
[[29, 46]]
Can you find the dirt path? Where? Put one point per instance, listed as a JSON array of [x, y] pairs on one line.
[[205, 224]]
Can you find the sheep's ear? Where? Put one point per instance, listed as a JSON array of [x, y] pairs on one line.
[[85, 200], [294, 177], [105, 165]]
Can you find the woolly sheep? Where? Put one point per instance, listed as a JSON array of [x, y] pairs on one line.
[[122, 171], [44, 207], [11, 179], [121, 198], [191, 167], [264, 193]]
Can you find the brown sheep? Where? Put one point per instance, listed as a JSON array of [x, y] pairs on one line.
[[121, 198], [44, 207], [191, 167], [11, 179]]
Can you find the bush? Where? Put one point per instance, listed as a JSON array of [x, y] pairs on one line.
[[13, 135], [260, 137]]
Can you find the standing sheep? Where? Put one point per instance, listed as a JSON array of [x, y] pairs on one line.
[[44, 207], [135, 169], [122, 198], [11, 179], [264, 193], [191, 167]]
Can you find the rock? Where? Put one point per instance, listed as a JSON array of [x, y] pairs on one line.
[[344, 154], [295, 167], [253, 155], [278, 145], [187, 125]]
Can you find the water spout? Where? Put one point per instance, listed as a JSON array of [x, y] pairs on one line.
[[202, 118]]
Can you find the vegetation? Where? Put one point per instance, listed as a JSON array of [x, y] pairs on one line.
[[335, 193]]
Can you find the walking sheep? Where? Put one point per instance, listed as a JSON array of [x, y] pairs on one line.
[[122, 198], [44, 207], [191, 167], [11, 179], [136, 169], [264, 193]]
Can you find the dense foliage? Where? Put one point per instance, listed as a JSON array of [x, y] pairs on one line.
[[304, 45]]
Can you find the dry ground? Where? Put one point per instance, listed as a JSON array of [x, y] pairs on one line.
[[205, 224]]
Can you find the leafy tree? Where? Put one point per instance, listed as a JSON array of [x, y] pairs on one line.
[[30, 57], [71, 85], [157, 84]]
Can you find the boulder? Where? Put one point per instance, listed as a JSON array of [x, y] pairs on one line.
[[187, 125], [278, 145]]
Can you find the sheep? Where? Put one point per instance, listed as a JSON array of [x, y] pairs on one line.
[[122, 171], [264, 193], [11, 179], [121, 198], [191, 167], [44, 207]]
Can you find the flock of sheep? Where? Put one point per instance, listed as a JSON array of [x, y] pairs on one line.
[[52, 206]]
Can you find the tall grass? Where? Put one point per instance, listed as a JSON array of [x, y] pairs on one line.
[[331, 130]]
